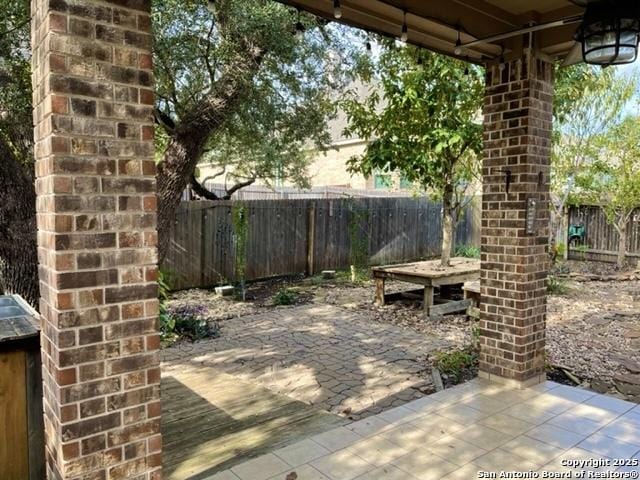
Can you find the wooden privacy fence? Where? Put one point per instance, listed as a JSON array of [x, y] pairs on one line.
[[601, 238], [286, 237]]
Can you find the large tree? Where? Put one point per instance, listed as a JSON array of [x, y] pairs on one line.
[[237, 82], [422, 119], [18, 251], [235, 79]]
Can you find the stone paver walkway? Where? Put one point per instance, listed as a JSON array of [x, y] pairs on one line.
[[324, 355], [456, 434]]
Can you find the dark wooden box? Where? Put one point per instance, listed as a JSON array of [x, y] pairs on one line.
[[22, 430]]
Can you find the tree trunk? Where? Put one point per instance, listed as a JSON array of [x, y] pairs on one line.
[[555, 226], [189, 138], [622, 243], [447, 225], [564, 231], [174, 174], [18, 241], [456, 213]]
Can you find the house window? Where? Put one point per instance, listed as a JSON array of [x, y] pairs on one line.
[[405, 183], [381, 181]]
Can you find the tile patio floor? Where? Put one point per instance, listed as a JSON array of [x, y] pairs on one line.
[[459, 432]]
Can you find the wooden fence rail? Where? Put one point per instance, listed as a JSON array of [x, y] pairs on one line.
[[601, 238], [286, 237]]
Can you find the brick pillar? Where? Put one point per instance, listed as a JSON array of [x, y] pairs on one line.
[[517, 147], [93, 101]]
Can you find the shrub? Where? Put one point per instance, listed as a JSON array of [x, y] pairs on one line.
[[166, 279], [167, 324], [556, 286], [187, 321], [285, 296], [468, 251]]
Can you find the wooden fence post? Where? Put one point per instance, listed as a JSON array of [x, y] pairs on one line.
[[203, 244], [311, 235]]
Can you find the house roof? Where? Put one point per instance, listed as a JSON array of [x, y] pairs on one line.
[[437, 25]]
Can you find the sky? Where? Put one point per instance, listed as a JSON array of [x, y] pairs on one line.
[[630, 70]]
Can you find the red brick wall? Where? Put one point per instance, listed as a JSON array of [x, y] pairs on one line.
[[517, 138], [93, 114]]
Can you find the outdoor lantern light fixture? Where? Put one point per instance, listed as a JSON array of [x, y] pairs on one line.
[[337, 9], [610, 32]]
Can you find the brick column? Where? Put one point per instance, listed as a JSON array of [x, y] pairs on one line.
[[517, 147], [93, 101]]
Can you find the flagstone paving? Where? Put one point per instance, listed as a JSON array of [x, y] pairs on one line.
[[326, 356]]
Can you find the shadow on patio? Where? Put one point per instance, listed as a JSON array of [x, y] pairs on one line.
[[475, 430], [271, 378]]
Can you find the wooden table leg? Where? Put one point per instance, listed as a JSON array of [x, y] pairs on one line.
[[428, 300], [379, 291]]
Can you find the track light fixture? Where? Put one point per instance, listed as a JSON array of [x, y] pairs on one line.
[[405, 28], [458, 48], [337, 9]]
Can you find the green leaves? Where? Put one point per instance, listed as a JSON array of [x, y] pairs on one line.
[[596, 155], [589, 101], [422, 124], [616, 172], [287, 91], [421, 119], [15, 80]]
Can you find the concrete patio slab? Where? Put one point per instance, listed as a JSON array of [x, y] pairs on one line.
[[432, 445]]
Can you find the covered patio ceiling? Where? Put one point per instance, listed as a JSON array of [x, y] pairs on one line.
[[478, 31]]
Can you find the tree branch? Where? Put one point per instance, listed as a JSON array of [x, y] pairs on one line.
[[217, 174], [24, 23], [207, 114], [207, 53], [163, 63], [237, 187], [201, 191]]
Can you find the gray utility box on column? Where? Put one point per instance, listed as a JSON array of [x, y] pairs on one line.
[[21, 414]]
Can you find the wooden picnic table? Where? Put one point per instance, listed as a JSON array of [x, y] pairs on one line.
[[429, 274]]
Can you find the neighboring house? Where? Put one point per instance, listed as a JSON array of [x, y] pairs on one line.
[[329, 168]]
